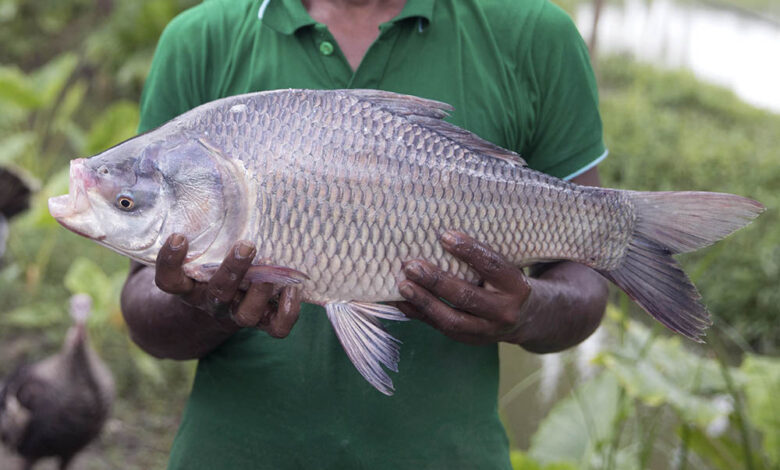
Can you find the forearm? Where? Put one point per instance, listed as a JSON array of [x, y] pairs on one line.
[[164, 326], [566, 305]]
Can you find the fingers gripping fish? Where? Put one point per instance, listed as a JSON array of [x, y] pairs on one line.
[[338, 188]]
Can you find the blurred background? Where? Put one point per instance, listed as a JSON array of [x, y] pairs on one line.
[[690, 98]]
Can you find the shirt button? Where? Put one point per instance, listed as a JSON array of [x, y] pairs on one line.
[[326, 48]]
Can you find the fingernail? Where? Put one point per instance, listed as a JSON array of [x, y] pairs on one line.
[[244, 250], [407, 291], [449, 239], [415, 269], [177, 241]]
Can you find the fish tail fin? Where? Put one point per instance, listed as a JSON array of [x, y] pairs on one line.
[[670, 223], [365, 341]]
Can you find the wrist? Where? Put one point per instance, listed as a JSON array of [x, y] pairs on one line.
[[565, 306], [164, 326], [533, 330]]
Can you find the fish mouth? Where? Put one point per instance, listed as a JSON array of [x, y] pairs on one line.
[[73, 210]]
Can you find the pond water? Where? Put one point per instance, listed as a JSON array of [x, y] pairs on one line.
[[729, 47]]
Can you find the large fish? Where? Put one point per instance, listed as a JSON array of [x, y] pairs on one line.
[[338, 188]]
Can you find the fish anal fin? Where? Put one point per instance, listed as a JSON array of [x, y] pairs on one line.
[[365, 341]]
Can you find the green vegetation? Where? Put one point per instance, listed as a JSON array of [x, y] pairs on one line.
[[766, 9], [657, 403], [70, 78]]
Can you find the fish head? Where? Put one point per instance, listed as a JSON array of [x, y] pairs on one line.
[[131, 197]]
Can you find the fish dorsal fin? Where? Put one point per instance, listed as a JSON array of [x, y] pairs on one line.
[[431, 114]]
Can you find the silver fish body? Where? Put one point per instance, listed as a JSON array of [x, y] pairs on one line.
[[344, 190], [345, 185]]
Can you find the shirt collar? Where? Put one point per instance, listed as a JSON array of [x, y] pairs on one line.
[[288, 16], [416, 9]]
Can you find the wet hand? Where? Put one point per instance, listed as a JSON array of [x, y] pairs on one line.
[[253, 306], [475, 314]]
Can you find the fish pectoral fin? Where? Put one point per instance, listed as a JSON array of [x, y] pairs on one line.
[[365, 341], [273, 274]]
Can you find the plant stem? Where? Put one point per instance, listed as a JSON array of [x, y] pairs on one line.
[[739, 415], [617, 429], [683, 460]]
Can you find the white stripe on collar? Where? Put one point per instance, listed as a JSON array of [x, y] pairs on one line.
[[587, 167], [261, 11]]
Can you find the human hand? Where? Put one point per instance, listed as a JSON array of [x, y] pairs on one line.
[[224, 295], [478, 315]]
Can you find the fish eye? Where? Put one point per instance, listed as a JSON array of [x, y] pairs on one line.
[[125, 202], [103, 170]]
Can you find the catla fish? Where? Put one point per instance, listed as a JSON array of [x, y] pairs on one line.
[[338, 188]]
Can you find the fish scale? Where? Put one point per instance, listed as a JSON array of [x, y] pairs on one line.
[[338, 188]]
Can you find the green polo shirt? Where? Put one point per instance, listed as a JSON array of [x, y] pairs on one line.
[[518, 75]]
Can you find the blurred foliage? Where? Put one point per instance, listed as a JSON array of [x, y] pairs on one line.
[[70, 77], [658, 402], [761, 389], [46, 264], [668, 131], [768, 10]]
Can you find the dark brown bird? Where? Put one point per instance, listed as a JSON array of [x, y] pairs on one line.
[[14, 198], [55, 407]]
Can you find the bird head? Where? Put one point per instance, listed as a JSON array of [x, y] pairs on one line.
[[80, 307]]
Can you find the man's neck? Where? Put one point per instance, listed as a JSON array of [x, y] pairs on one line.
[[354, 23]]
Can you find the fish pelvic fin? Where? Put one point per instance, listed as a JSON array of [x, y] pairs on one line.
[[669, 223], [365, 341]]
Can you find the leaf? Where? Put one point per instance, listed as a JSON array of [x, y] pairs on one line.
[[84, 276], [643, 381], [720, 453], [14, 146], [49, 80], [674, 359], [16, 88], [577, 425], [117, 123], [38, 216], [148, 366], [71, 102], [663, 371], [522, 461], [763, 408], [33, 316]]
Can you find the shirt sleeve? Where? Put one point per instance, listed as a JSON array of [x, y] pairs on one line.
[[567, 138], [175, 81]]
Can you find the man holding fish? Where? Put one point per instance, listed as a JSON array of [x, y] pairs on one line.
[[518, 75]]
